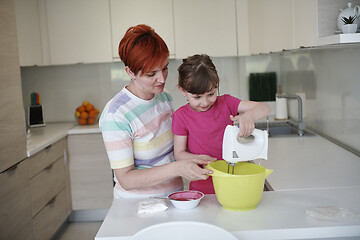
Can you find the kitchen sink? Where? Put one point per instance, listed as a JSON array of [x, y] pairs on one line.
[[282, 129]]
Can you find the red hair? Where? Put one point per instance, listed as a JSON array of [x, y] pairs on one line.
[[142, 49]]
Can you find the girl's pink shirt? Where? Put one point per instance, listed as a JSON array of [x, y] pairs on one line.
[[205, 130]]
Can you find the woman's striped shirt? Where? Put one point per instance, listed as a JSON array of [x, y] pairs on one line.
[[138, 132]]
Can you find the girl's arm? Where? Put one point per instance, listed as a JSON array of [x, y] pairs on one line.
[[250, 111], [181, 150]]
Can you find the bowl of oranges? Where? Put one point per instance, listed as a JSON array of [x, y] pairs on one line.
[[86, 114]]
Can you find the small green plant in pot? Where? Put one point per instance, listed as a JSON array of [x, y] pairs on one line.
[[349, 24]]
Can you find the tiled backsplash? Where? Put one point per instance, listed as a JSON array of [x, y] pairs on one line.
[[330, 78]]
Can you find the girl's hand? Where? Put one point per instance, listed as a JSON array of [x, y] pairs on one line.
[[246, 124]]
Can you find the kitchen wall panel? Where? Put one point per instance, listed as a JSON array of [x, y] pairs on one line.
[[331, 81], [63, 88]]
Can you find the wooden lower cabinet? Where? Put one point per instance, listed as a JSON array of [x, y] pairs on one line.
[[47, 184], [15, 208], [51, 216], [49, 190], [46, 157], [90, 172]]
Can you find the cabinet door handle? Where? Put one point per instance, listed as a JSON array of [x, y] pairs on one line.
[[48, 168], [51, 201], [48, 146], [12, 168]]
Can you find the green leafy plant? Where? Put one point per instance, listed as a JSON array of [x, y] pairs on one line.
[[349, 20]]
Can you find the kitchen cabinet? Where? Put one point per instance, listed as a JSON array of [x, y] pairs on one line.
[[12, 117], [205, 26], [63, 32], [90, 172], [78, 31], [271, 25], [305, 23], [242, 22], [157, 14], [49, 189], [50, 218], [15, 208], [29, 33]]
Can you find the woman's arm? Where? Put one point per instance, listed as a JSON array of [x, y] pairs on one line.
[[131, 178], [251, 111], [187, 166]]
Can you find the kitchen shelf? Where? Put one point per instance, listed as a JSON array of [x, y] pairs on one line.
[[340, 38]]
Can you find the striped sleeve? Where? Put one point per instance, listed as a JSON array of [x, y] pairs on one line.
[[117, 139]]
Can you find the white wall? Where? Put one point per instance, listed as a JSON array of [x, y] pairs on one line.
[[329, 77], [331, 80], [63, 88]]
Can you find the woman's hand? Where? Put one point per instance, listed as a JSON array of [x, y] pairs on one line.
[[190, 168], [193, 168], [246, 124]]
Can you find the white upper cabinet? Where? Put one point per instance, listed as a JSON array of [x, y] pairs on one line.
[[28, 32], [242, 17], [52, 32], [78, 31], [271, 25], [305, 23], [158, 14], [205, 26]]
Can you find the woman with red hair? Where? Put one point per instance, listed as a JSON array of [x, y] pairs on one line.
[[136, 123]]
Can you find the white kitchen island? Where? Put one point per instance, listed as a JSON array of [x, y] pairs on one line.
[[308, 172], [279, 215]]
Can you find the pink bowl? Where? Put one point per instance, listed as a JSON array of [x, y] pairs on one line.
[[186, 199]]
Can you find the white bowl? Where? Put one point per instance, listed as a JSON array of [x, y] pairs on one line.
[[185, 199]]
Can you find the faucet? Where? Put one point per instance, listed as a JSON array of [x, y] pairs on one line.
[[302, 125]]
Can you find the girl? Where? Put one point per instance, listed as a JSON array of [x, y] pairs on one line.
[[199, 126]]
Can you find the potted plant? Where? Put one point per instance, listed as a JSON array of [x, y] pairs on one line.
[[349, 24]]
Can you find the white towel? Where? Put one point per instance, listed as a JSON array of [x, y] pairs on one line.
[[152, 206]]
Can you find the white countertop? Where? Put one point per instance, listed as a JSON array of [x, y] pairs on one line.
[[310, 162], [85, 129], [279, 215], [41, 137]]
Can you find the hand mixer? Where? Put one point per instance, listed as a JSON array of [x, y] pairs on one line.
[[236, 150]]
